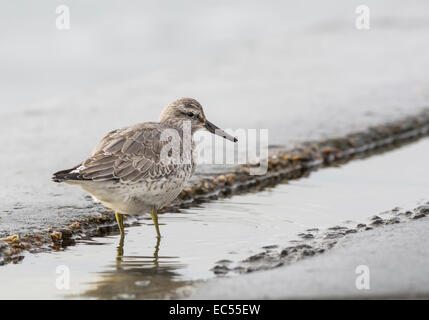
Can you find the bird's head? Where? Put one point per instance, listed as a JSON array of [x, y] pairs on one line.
[[188, 109]]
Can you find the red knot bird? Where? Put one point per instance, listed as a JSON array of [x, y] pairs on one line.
[[142, 168]]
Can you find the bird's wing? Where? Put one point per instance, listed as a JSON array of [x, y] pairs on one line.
[[128, 154]]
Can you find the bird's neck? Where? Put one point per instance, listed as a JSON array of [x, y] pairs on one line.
[[182, 126]]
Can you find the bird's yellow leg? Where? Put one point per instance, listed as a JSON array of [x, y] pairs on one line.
[[120, 221], [120, 249], [154, 215]]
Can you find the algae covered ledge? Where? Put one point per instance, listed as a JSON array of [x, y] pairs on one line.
[[315, 241], [283, 165]]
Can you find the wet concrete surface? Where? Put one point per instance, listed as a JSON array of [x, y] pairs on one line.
[[228, 232], [315, 241], [307, 74], [395, 258]]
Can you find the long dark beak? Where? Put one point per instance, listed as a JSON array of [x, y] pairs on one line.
[[215, 130]]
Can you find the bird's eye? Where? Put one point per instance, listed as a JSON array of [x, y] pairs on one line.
[[190, 114]]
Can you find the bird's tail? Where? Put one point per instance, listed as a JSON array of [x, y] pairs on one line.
[[66, 175]]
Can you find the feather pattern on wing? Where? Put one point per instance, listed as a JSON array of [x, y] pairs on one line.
[[129, 155]]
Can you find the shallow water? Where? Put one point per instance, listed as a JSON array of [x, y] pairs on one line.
[[195, 239]]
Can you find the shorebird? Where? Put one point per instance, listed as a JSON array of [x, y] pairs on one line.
[[141, 168]]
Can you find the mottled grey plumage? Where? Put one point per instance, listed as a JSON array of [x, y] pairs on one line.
[[129, 154], [126, 171]]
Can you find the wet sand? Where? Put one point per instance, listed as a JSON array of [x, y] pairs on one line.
[[397, 257]]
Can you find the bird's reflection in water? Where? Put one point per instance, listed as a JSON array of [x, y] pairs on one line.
[[120, 252], [138, 277]]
